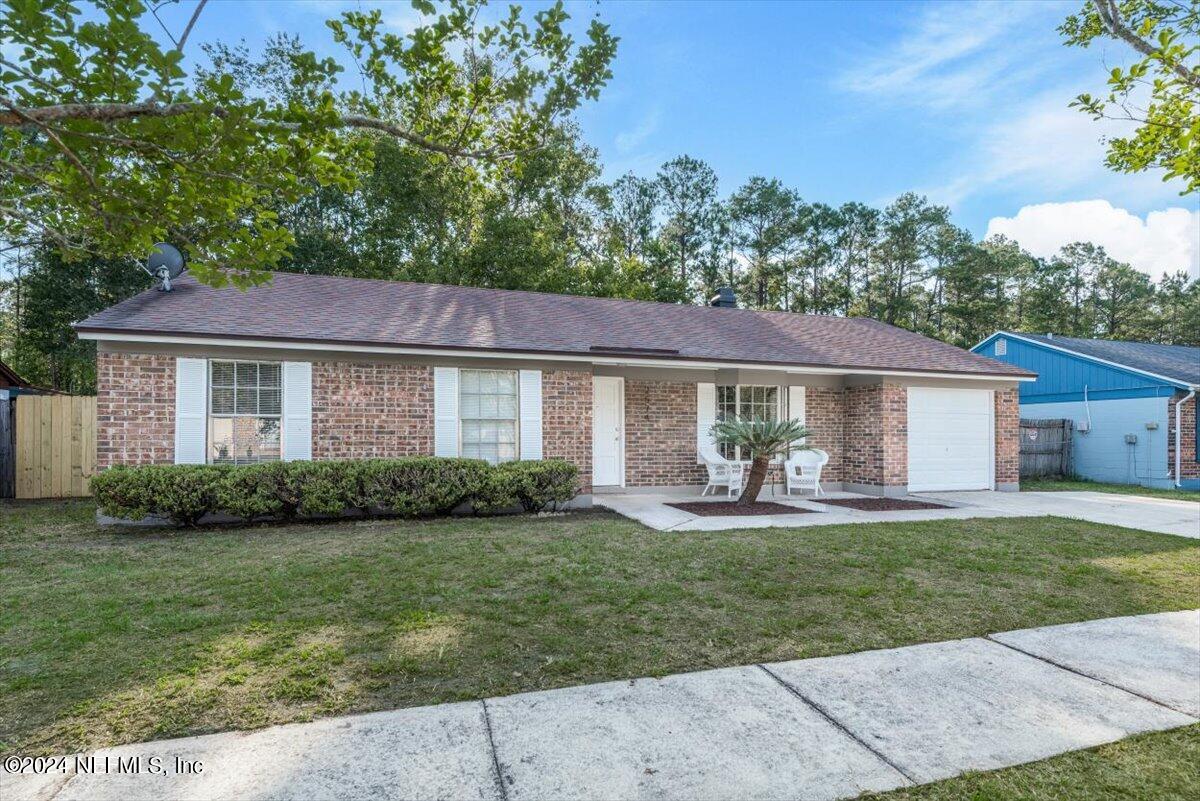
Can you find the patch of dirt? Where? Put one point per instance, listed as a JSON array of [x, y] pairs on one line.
[[881, 504], [732, 509]]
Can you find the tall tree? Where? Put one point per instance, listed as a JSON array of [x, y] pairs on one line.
[[629, 211], [816, 237], [1121, 299], [909, 225], [1079, 263], [1176, 314], [688, 188], [107, 144], [763, 214], [56, 294], [854, 240]]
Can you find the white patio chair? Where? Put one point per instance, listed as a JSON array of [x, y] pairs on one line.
[[803, 470], [721, 471]]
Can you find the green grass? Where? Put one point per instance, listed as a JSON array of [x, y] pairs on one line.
[[118, 636], [1163, 767], [1080, 485]]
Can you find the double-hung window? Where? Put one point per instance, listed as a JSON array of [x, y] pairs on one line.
[[748, 402], [244, 406], [487, 410]]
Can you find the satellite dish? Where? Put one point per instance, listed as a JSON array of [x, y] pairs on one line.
[[165, 263]]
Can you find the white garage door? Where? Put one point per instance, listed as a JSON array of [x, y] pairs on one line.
[[949, 439]]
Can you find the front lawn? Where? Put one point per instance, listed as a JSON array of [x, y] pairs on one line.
[[1077, 485], [110, 637]]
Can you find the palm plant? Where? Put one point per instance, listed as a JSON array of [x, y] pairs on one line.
[[763, 439]]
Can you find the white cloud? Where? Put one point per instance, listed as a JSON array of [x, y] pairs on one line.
[[1165, 241], [951, 55], [628, 141], [1052, 149]]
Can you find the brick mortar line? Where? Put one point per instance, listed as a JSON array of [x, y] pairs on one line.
[[1098, 680], [838, 724], [487, 722]]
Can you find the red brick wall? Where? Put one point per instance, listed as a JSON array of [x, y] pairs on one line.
[[567, 420], [135, 409], [660, 434], [1008, 436], [371, 410], [1188, 466], [876, 435], [825, 416]]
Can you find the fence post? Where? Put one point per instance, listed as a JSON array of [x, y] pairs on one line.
[[8, 449]]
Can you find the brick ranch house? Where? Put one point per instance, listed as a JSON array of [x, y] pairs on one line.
[[319, 367]]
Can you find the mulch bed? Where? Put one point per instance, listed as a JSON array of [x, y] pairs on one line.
[[730, 508], [881, 504]]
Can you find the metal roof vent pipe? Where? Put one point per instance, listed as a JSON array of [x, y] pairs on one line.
[[724, 299]]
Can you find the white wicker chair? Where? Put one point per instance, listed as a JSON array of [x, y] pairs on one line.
[[721, 471], [803, 470]]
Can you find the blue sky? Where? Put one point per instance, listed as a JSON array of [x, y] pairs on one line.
[[963, 101]]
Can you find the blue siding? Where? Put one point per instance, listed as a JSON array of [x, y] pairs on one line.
[[1103, 454], [1062, 377]]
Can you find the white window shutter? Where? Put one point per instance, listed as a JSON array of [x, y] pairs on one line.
[[445, 411], [191, 410], [531, 413], [796, 407], [706, 415], [297, 411]]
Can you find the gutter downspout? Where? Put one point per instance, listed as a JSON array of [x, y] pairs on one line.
[[1179, 434]]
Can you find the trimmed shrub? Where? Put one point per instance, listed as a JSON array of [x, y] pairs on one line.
[[322, 487], [537, 484], [126, 492], [181, 493], [423, 485], [497, 493], [412, 487], [245, 493]]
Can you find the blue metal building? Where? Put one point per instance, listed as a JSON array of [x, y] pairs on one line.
[[1124, 398]]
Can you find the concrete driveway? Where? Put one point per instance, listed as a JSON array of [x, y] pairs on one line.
[[1181, 518]]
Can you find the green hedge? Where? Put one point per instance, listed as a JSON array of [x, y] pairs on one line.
[[422, 486]]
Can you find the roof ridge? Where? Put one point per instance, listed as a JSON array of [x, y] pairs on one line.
[[547, 293], [1057, 337]]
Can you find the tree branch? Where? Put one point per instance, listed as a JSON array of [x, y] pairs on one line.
[[116, 112], [66, 151], [188, 30], [1110, 15]]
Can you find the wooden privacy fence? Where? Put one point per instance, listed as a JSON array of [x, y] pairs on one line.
[[55, 445], [1046, 448]]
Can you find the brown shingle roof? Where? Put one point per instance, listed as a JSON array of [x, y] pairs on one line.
[[321, 308]]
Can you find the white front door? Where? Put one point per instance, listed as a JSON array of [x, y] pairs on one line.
[[608, 434], [950, 443]]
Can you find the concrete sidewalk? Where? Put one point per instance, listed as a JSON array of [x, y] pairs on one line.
[[816, 728]]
